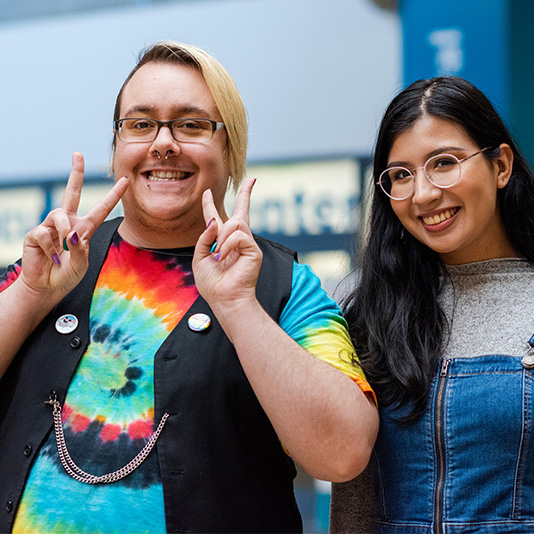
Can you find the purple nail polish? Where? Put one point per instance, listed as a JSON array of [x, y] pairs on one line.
[[56, 259], [74, 239], [217, 256]]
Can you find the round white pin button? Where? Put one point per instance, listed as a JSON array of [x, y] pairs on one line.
[[198, 322], [528, 361], [67, 324]]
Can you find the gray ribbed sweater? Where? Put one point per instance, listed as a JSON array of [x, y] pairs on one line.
[[489, 305]]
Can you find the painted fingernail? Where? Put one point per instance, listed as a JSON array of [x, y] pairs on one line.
[[56, 259], [210, 221], [213, 247], [65, 247], [254, 182], [217, 256], [74, 239]]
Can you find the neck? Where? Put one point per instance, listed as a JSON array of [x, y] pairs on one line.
[[505, 250], [169, 234]]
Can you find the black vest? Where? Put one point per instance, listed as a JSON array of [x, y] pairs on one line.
[[222, 466]]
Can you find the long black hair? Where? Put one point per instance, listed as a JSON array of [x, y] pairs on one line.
[[395, 320]]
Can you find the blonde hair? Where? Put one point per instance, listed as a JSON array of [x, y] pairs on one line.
[[222, 89]]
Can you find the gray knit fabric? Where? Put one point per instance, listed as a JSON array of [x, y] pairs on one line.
[[493, 311], [490, 307]]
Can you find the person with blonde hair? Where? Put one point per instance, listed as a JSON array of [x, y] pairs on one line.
[[164, 370]]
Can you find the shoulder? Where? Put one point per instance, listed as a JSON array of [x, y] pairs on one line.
[[269, 246], [275, 280]]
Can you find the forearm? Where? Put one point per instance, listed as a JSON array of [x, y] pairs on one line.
[[21, 310], [324, 420]]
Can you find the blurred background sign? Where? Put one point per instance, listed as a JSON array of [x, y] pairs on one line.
[[488, 42]]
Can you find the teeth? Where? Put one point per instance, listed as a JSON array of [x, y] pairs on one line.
[[160, 176], [436, 219]]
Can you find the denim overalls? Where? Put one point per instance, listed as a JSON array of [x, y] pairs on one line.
[[467, 466]]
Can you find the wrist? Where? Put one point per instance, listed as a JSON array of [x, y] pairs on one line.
[[238, 315], [27, 295]]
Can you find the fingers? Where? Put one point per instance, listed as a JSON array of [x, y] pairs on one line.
[[73, 191], [98, 213], [240, 218], [209, 209], [241, 242], [61, 231], [46, 239], [58, 224], [71, 201], [242, 204]]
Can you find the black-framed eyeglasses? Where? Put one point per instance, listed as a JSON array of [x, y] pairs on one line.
[[143, 130], [443, 171]]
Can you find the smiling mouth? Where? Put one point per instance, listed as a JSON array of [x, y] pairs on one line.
[[436, 219], [167, 176]]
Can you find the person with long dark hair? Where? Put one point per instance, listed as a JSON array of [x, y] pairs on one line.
[[442, 320]]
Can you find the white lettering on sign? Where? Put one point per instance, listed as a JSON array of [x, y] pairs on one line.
[[311, 198], [449, 54]]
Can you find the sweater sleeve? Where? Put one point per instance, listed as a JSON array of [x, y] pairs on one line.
[[353, 505]]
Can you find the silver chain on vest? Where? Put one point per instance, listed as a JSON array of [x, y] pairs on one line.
[[78, 474]]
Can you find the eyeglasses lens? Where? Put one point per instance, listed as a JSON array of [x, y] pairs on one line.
[[442, 170], [186, 130]]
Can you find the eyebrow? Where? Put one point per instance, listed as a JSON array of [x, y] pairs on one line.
[[183, 110], [440, 150]]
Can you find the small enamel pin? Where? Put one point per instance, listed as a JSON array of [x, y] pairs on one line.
[[67, 324], [198, 322]]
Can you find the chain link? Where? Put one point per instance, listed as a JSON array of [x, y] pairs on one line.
[[78, 474]]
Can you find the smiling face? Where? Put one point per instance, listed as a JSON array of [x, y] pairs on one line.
[[163, 203], [461, 223]]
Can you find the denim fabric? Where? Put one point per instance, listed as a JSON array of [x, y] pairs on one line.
[[467, 466]]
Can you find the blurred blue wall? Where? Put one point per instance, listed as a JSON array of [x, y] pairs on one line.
[[488, 42]]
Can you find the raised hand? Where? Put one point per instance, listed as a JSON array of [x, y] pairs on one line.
[[46, 265], [227, 275]]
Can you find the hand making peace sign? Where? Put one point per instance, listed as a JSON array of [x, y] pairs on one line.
[[228, 274], [46, 266]]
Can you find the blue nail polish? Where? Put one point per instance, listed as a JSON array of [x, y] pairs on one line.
[[65, 247], [213, 247]]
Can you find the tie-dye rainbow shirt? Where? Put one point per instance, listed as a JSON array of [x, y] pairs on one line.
[[140, 296]]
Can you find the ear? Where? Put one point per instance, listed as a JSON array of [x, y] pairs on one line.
[[503, 165]]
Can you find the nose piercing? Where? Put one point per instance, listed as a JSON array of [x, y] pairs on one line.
[[167, 155], [158, 155]]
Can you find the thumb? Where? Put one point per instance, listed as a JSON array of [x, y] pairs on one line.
[[207, 243], [79, 252]]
